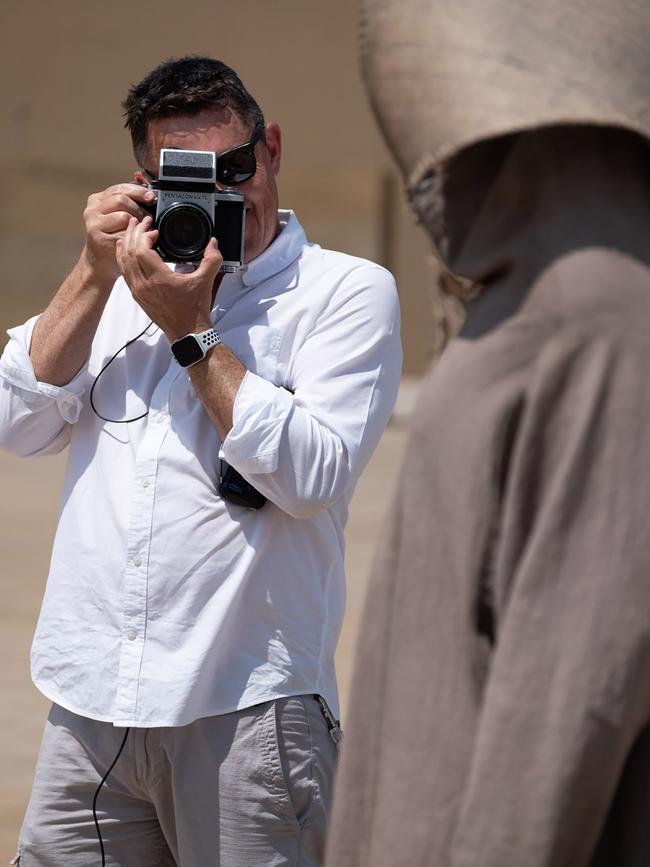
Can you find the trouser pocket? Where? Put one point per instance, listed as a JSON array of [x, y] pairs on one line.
[[295, 747]]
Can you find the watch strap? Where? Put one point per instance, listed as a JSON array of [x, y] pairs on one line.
[[208, 339], [192, 348]]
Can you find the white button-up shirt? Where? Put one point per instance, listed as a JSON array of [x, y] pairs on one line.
[[164, 602]]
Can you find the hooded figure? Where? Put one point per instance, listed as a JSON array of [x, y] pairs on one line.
[[500, 709]]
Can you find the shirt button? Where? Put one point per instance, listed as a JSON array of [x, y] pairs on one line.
[[137, 561], [160, 419], [145, 483], [132, 635]]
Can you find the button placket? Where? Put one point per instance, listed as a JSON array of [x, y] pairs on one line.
[[138, 547]]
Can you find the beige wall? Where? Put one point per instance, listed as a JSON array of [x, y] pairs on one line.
[[66, 65]]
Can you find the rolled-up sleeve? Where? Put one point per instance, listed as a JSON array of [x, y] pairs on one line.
[[305, 446], [35, 417], [259, 416]]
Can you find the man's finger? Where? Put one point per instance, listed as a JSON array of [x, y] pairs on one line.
[[129, 253], [129, 236], [109, 224], [140, 231], [143, 238], [137, 192], [121, 202], [149, 261], [211, 261]]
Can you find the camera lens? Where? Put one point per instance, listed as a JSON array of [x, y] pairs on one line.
[[185, 230]]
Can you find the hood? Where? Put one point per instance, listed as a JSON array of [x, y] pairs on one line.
[[442, 76]]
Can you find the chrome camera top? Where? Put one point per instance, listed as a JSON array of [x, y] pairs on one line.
[[189, 210]]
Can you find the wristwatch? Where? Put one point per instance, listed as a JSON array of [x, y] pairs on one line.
[[192, 348]]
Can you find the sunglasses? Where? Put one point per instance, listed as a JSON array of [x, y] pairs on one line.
[[234, 166]]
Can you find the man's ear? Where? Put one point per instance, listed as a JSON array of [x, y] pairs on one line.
[[273, 138], [139, 178]]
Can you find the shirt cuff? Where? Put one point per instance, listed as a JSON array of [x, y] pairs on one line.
[[260, 413], [16, 369]]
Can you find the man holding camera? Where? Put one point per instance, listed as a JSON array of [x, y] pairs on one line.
[[187, 641]]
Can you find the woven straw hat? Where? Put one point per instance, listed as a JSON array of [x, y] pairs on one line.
[[443, 75]]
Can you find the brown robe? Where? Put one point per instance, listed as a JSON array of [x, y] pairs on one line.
[[500, 707]]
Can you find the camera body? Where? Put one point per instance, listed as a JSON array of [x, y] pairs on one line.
[[189, 210]]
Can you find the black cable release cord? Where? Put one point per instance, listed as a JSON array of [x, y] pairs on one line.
[[109, 362], [104, 778], [115, 421]]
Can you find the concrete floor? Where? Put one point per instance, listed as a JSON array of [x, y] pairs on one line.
[[28, 510]]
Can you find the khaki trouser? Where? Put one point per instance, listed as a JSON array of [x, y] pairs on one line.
[[243, 789]]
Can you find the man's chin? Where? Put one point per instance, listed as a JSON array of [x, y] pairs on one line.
[[255, 244], [252, 249], [254, 253], [251, 241]]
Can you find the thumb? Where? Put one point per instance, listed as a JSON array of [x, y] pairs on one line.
[[212, 258]]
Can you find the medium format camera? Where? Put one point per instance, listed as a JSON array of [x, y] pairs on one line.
[[189, 210]]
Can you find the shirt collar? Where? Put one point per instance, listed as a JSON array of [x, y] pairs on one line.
[[280, 253]]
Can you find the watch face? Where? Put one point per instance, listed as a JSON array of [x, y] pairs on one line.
[[187, 350]]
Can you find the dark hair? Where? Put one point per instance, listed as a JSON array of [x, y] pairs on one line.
[[186, 85]]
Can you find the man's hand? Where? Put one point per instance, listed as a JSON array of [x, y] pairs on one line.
[[64, 332], [179, 303], [106, 218]]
